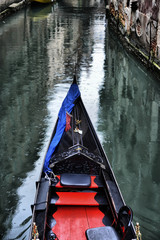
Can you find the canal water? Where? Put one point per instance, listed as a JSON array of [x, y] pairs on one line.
[[39, 47]]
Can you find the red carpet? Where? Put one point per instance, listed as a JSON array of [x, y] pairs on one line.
[[71, 222], [76, 198]]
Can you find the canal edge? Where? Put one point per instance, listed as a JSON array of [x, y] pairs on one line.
[[151, 66], [151, 63], [12, 8]]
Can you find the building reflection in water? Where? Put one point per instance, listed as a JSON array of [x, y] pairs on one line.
[[130, 121], [37, 62], [40, 49]]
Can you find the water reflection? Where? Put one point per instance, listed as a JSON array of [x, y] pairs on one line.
[[22, 110], [39, 12], [130, 120], [37, 62], [40, 49]]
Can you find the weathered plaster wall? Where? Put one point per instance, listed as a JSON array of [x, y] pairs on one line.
[[139, 20]]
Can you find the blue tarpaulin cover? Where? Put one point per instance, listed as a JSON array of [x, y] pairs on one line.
[[67, 106]]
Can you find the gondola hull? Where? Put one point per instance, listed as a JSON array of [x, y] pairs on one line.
[[42, 1], [77, 196]]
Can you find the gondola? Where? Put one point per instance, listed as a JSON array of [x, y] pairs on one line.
[[77, 195], [42, 1]]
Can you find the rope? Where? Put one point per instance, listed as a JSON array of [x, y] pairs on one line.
[[52, 178]]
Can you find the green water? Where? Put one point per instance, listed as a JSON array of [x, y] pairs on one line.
[[39, 47]]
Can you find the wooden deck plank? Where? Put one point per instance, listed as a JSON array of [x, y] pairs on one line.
[[72, 222]]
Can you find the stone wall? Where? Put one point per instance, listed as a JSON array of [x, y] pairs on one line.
[[139, 21], [5, 3]]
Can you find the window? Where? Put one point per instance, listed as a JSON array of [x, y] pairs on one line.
[[134, 6]]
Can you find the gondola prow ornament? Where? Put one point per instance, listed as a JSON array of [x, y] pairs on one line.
[[138, 233]]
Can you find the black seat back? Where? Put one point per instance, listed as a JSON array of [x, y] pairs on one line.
[[125, 217], [75, 180]]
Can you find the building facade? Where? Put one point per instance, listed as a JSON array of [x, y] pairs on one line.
[[140, 22]]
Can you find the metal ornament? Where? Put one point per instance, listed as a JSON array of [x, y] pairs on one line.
[[138, 233], [35, 234]]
